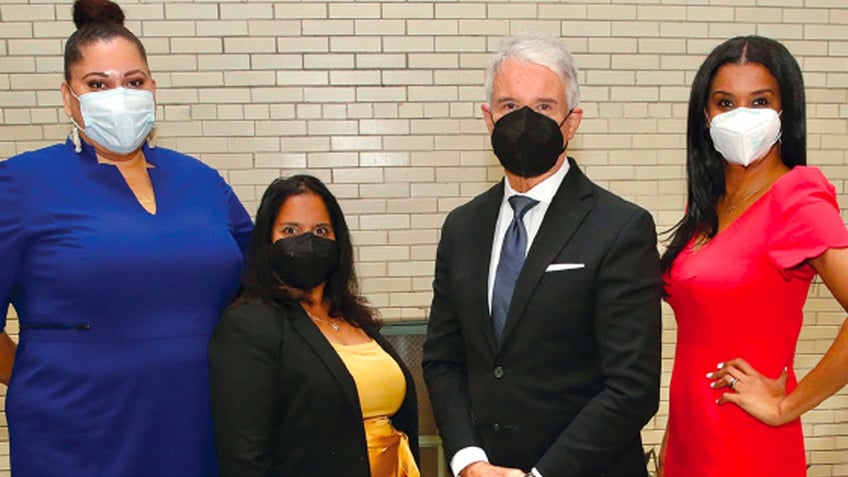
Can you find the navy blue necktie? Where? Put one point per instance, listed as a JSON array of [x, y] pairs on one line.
[[512, 258]]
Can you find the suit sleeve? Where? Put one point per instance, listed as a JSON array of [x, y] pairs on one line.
[[243, 374], [444, 357], [628, 326]]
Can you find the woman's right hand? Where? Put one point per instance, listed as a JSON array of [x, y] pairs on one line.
[[7, 357], [661, 457]]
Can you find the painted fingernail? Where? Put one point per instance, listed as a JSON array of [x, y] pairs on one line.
[[720, 365], [713, 384], [710, 375]]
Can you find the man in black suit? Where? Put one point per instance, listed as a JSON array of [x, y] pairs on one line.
[[543, 344]]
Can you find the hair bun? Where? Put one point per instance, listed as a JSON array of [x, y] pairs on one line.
[[97, 11]]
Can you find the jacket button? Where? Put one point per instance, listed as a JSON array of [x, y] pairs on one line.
[[496, 427], [499, 372]]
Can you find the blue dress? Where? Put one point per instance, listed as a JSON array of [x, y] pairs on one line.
[[116, 307]]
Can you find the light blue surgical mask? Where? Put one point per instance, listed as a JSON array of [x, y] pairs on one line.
[[118, 119]]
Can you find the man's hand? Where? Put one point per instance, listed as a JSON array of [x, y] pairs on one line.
[[485, 469]]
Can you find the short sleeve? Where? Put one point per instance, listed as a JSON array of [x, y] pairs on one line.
[[12, 236], [805, 220]]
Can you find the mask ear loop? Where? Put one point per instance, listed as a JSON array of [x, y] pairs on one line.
[[75, 139], [151, 139], [565, 146]]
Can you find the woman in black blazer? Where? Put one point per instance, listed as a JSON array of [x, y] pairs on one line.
[[302, 382]]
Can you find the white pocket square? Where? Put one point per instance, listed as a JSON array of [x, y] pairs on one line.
[[556, 267]]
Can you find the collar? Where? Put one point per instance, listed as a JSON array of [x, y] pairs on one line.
[[544, 191]]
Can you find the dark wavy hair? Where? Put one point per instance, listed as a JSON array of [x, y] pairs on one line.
[[704, 165], [96, 20], [260, 283]]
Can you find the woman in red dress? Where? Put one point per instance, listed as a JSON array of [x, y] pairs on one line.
[[759, 226]]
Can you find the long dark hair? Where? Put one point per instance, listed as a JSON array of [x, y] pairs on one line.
[[96, 20], [262, 284], [704, 165]]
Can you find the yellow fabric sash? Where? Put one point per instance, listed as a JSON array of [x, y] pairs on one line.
[[388, 450]]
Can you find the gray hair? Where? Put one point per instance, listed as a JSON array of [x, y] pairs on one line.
[[544, 51]]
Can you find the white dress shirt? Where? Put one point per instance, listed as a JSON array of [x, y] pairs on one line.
[[543, 192]]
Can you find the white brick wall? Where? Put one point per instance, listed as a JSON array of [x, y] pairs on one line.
[[381, 99]]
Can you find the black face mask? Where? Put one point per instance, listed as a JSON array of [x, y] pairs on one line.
[[305, 260], [527, 143]]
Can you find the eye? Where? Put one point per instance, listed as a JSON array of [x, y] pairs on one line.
[[510, 106], [96, 84], [543, 107], [289, 230], [725, 104], [135, 83], [760, 102], [322, 231]]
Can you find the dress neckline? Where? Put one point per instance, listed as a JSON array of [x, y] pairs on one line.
[[355, 346], [743, 217]]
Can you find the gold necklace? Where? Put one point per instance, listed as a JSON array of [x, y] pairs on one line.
[[729, 210], [332, 321]]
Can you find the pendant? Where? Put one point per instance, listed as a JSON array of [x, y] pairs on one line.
[[335, 326]]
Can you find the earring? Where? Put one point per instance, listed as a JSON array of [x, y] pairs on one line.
[[76, 139], [151, 139]]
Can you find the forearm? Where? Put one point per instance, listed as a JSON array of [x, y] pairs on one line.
[[7, 357], [661, 457], [825, 379], [444, 357], [447, 385], [245, 394]]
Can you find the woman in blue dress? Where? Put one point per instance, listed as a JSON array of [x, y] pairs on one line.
[[118, 258]]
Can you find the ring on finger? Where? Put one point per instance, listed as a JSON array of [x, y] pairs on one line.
[[731, 382]]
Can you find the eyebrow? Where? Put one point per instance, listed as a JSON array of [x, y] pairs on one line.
[[759, 91], [103, 74], [298, 224], [509, 99]]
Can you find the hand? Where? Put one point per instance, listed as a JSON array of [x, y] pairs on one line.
[[756, 394], [485, 469], [661, 458]]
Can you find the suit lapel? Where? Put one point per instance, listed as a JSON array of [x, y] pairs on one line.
[[325, 352], [567, 210], [481, 236]]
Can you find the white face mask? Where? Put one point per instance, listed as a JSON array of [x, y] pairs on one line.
[[118, 119], [745, 135]]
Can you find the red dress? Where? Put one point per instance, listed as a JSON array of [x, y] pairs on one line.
[[741, 295]]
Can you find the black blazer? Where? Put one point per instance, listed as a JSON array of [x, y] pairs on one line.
[[283, 402], [577, 374]]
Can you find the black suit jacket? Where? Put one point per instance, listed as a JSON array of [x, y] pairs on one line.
[[577, 373], [283, 402]]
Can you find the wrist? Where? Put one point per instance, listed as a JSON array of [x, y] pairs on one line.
[[783, 415]]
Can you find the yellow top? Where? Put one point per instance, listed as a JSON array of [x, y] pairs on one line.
[[381, 386], [379, 381]]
